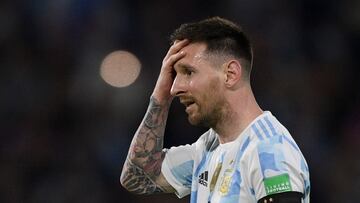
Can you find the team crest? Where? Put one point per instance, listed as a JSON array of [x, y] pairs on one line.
[[226, 182]]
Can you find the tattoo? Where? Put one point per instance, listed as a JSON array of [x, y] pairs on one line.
[[146, 154], [136, 181]]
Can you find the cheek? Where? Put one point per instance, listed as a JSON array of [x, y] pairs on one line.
[[192, 83], [209, 96], [205, 90], [195, 88], [213, 93], [199, 83]]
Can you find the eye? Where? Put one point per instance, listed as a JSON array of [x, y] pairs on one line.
[[189, 72]]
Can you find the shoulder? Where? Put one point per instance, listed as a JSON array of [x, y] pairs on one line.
[[267, 126], [270, 140], [266, 133], [271, 149]]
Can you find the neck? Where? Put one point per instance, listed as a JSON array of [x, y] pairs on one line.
[[241, 110]]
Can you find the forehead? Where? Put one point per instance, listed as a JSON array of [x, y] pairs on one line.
[[195, 55], [197, 49]]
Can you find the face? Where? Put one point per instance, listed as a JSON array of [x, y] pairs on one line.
[[198, 84]]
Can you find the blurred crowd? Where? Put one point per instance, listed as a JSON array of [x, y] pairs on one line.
[[64, 132]]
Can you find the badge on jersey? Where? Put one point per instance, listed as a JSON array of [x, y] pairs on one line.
[[226, 181], [277, 184]]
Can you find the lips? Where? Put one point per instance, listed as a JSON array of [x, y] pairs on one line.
[[188, 103]]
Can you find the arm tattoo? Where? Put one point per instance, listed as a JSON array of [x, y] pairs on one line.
[[137, 181], [146, 154]]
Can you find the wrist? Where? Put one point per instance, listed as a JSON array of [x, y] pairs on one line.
[[160, 99]]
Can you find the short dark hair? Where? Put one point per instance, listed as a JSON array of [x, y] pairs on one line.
[[220, 36]]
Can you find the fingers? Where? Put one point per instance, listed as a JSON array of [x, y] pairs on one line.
[[174, 54], [174, 58], [167, 74], [176, 47]]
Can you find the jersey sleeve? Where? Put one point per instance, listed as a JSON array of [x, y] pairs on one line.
[[276, 165], [177, 168]]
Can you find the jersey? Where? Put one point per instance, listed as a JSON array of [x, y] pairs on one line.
[[263, 160]]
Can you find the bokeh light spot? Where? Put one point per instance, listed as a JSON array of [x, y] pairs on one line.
[[120, 68]]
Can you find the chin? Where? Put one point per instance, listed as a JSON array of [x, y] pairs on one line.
[[194, 120], [198, 121]]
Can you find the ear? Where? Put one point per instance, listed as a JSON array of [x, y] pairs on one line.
[[233, 72]]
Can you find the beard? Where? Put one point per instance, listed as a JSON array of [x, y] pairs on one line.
[[208, 119], [210, 108], [209, 114]]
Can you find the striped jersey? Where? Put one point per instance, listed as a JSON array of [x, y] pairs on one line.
[[263, 160]]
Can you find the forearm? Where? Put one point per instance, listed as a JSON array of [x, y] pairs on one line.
[[145, 156]]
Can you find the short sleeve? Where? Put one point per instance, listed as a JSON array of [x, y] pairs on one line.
[[275, 166], [177, 168]]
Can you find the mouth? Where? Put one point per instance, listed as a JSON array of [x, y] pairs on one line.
[[187, 103]]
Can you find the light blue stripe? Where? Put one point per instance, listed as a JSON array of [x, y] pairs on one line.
[[257, 132], [242, 149], [201, 165], [245, 145], [264, 128], [270, 125], [233, 194], [193, 197], [183, 173]]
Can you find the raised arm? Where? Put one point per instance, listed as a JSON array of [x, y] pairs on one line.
[[141, 172], [142, 167]]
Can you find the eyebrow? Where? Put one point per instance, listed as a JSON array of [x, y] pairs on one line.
[[181, 67]]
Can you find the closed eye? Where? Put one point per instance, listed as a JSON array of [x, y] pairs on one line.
[[185, 69], [189, 72]]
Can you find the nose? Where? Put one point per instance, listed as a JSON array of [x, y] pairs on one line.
[[178, 86]]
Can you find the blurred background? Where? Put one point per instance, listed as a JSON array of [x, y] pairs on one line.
[[65, 132]]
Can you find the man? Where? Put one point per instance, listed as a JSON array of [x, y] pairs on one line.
[[245, 156]]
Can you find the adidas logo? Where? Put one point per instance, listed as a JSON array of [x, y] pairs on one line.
[[203, 178]]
